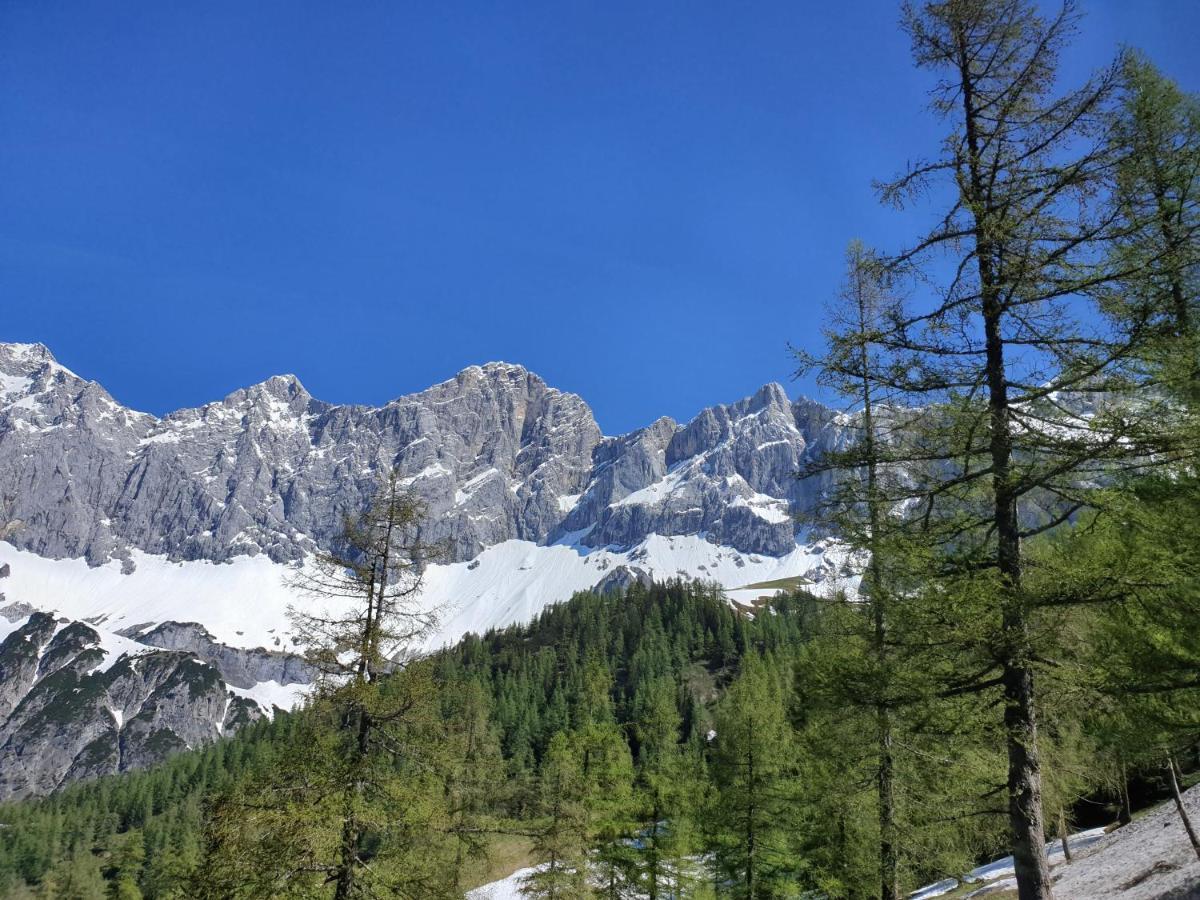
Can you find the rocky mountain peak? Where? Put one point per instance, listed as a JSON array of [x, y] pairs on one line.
[[27, 357], [770, 395], [280, 396], [29, 368], [496, 453], [282, 387]]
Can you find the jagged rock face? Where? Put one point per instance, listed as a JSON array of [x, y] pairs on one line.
[[239, 666], [495, 452], [270, 469], [730, 474], [623, 577], [64, 716]]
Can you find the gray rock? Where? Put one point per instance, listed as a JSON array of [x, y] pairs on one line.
[[238, 666], [495, 452], [623, 577], [64, 717], [16, 610]]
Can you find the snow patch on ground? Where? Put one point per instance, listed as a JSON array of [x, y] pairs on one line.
[[1000, 870], [506, 889], [1147, 859]]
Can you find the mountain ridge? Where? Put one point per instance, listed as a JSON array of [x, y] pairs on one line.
[[496, 452]]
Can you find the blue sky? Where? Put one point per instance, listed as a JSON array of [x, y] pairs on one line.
[[642, 202]]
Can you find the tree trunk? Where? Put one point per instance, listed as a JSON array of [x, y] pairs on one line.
[[1172, 774], [888, 855], [750, 812], [655, 864], [1020, 716], [1125, 814], [1020, 719], [351, 829], [889, 888], [1025, 785], [1062, 834]]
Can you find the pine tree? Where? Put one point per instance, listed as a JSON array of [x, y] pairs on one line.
[[561, 844], [127, 859], [750, 769], [669, 791], [606, 772], [76, 877], [475, 769]]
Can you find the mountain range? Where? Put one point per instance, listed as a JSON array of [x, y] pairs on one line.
[[173, 537]]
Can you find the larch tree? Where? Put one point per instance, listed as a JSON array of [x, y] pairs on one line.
[[1144, 647], [365, 612], [857, 509], [355, 807], [1002, 345], [561, 843], [1156, 130], [475, 769]]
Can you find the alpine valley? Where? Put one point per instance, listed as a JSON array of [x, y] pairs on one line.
[[147, 562]]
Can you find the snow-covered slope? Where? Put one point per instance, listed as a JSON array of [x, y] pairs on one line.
[[243, 602], [229, 620], [1148, 859]]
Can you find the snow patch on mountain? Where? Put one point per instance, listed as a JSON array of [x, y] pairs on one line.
[[244, 602], [270, 695], [513, 581]]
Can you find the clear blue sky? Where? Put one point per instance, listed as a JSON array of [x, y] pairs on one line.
[[642, 202]]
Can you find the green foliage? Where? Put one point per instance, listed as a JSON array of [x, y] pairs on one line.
[[751, 763], [160, 808], [585, 729], [279, 832]]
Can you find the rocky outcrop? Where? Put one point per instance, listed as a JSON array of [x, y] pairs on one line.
[[496, 453], [69, 711], [621, 578], [239, 666]]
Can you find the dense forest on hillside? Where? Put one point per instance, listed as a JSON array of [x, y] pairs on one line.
[[671, 649], [652, 728]]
